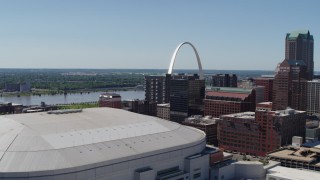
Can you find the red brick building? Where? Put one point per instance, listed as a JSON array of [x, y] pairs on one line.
[[267, 82], [290, 86], [260, 132], [223, 101], [112, 100]]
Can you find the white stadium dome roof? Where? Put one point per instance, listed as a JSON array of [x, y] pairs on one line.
[[48, 144]]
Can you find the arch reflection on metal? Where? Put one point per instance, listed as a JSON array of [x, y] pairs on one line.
[[173, 58]]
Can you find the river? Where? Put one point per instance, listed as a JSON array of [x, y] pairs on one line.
[[69, 98]]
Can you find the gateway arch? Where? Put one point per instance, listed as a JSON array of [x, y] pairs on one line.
[[173, 58]]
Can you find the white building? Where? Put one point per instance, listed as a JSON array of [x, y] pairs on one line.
[[163, 111], [99, 143], [238, 170]]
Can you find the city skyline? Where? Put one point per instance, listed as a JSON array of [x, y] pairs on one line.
[[246, 35]]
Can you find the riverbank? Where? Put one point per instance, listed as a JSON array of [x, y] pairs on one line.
[[68, 98], [40, 92], [79, 105]]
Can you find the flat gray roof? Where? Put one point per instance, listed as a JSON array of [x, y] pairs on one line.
[[58, 143], [293, 173]]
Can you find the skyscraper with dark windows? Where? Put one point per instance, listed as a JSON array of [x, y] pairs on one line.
[[224, 80], [186, 96], [299, 46], [156, 89]]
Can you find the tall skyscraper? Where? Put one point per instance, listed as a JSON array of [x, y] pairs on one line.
[[290, 86], [186, 97], [299, 46]]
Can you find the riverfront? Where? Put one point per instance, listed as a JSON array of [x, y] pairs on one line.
[[68, 98]]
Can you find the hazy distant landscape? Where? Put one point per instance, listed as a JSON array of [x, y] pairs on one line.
[[53, 81]]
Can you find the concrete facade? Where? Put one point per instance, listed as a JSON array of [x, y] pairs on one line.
[[163, 111]]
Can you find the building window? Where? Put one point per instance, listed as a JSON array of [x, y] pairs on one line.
[[197, 175]]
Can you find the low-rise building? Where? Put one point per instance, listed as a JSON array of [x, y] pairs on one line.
[[206, 124], [18, 87], [312, 131], [297, 157], [163, 111], [142, 107], [10, 108], [111, 100], [238, 170]]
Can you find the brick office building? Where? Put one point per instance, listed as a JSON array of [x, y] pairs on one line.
[[260, 132], [221, 101], [290, 86], [112, 100], [267, 82]]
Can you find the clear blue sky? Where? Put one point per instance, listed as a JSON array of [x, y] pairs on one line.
[[238, 34]]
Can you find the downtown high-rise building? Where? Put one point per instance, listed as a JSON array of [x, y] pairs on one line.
[[299, 46], [156, 89], [224, 80], [290, 86], [186, 96], [267, 83], [313, 97]]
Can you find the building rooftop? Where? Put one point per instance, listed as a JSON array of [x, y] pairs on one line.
[[236, 95], [315, 80], [290, 173], [287, 112], [265, 103], [295, 34], [267, 76], [232, 89], [110, 95], [42, 143], [198, 119], [302, 154], [244, 115], [164, 105]]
